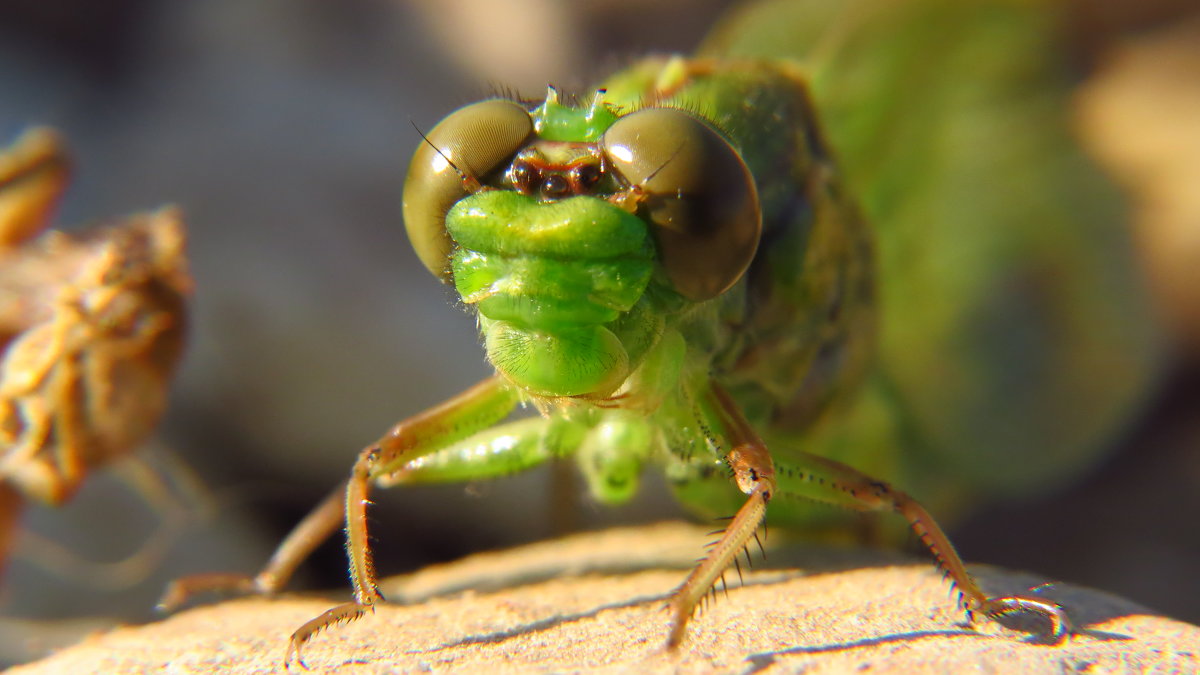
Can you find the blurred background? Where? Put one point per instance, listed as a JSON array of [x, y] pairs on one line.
[[284, 128]]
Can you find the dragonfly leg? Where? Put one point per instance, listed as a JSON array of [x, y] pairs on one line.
[[457, 441], [304, 538], [362, 565], [829, 481], [825, 480], [754, 473]]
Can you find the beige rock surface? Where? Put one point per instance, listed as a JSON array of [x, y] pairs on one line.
[[594, 603]]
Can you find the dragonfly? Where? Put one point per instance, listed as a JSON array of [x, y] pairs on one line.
[[843, 243]]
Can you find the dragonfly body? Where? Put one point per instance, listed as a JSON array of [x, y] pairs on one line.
[[793, 334], [702, 269], [1015, 338], [794, 339], [635, 288]]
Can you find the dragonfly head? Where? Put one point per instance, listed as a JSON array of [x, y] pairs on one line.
[[556, 222]]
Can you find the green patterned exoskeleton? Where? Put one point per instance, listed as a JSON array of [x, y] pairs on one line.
[[758, 274]]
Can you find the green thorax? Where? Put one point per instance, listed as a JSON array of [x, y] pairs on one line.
[[1014, 333], [798, 332]]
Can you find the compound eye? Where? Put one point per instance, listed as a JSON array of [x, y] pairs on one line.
[[699, 196], [470, 143]]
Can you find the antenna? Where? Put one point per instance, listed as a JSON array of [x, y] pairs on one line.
[[470, 183]]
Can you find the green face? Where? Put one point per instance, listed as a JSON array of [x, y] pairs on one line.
[[554, 224]]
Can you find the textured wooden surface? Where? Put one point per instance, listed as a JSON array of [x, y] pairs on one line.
[[593, 603]]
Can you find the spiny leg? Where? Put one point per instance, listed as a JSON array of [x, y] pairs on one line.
[[362, 565], [741, 529], [754, 473], [477, 408], [832, 482], [304, 538], [454, 443], [826, 480]]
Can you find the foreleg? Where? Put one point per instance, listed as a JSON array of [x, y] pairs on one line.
[[493, 452], [823, 480], [477, 408]]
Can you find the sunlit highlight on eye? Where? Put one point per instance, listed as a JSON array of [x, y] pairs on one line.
[[621, 153]]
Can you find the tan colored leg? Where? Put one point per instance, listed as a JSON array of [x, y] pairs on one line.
[[362, 564], [754, 473], [825, 480], [460, 417], [316, 527]]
